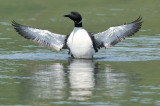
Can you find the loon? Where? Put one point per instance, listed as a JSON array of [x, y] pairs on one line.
[[80, 43]]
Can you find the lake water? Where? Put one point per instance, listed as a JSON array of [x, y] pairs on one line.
[[123, 75]]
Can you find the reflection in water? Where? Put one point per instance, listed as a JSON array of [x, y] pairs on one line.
[[50, 82], [81, 79], [115, 82], [77, 80]]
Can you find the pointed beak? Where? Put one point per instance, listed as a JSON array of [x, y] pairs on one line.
[[67, 15]]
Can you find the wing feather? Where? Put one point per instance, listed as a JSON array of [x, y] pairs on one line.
[[116, 34], [42, 37]]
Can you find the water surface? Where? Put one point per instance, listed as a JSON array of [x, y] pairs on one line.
[[126, 74]]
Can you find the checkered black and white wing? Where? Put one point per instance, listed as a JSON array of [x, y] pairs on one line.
[[116, 34], [42, 37]]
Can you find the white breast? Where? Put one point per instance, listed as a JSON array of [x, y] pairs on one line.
[[80, 43]]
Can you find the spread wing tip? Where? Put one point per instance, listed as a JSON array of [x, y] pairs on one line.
[[136, 26], [138, 22], [20, 29], [15, 25], [139, 19]]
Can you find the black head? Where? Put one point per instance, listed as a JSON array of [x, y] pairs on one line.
[[76, 17]]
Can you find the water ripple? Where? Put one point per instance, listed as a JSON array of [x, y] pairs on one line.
[[140, 48], [5, 23], [86, 103]]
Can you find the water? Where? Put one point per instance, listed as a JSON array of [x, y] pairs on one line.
[[126, 74]]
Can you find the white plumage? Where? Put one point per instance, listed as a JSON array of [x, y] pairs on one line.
[[80, 43]]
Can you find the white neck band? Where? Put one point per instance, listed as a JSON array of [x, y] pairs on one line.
[[79, 22]]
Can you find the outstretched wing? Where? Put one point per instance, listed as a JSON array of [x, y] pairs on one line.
[[42, 37], [116, 34]]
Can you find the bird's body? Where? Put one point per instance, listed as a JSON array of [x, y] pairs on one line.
[[79, 42]]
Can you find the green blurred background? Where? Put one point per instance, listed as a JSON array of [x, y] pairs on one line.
[[98, 13], [126, 74]]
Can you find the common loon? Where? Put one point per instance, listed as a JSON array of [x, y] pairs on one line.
[[80, 43]]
